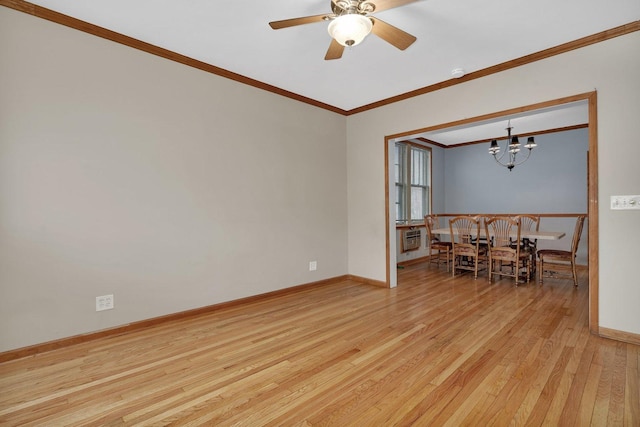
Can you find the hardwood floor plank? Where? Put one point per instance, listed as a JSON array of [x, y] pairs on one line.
[[550, 389], [603, 393], [578, 383], [618, 383], [632, 387], [585, 409], [436, 350]]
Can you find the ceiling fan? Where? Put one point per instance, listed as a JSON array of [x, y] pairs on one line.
[[351, 22]]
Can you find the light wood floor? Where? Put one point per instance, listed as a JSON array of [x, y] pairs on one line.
[[434, 351]]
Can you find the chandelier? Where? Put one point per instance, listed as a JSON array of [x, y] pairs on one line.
[[513, 148]]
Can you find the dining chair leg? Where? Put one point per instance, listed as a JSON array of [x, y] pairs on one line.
[[453, 266], [534, 263]]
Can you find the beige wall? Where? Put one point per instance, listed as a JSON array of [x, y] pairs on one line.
[[124, 173], [612, 68]]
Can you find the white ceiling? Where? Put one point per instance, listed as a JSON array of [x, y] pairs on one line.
[[468, 34], [556, 117]]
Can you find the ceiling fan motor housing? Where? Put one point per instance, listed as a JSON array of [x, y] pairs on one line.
[[345, 7]]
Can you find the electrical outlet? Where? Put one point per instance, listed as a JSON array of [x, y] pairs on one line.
[[313, 265], [104, 302]]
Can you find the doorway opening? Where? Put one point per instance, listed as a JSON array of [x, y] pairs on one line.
[[590, 100]]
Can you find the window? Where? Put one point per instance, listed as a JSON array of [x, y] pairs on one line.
[[413, 182]]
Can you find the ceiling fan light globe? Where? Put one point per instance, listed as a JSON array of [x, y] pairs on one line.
[[350, 30]]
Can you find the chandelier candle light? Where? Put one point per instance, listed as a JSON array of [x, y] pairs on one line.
[[513, 148]]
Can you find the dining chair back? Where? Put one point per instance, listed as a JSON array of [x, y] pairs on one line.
[[505, 250], [465, 244], [530, 223], [439, 251], [558, 263]]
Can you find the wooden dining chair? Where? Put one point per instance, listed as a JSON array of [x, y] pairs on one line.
[[465, 244], [530, 223], [558, 263], [505, 249], [439, 251]]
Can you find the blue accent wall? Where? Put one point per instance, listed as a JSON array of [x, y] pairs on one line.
[[553, 180]]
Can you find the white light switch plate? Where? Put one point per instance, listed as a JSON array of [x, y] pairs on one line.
[[625, 202]]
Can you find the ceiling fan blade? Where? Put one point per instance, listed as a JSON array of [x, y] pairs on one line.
[[390, 4], [391, 34], [335, 50], [285, 23]]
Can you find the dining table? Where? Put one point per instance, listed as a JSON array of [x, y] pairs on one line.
[[525, 234]]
